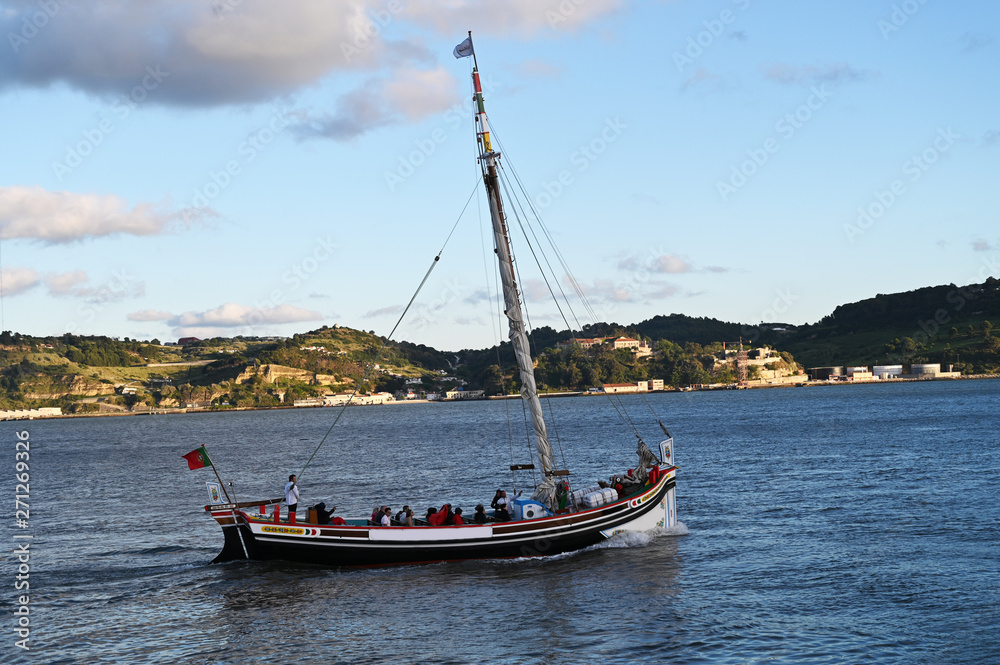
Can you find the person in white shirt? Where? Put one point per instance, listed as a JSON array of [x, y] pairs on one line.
[[386, 516], [291, 495]]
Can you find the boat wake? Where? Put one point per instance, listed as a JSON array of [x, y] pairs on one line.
[[627, 539], [623, 540]]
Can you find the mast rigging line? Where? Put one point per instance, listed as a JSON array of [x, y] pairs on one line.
[[516, 201], [555, 248], [385, 342]]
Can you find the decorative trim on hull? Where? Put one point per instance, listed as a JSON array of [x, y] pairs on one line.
[[378, 546]]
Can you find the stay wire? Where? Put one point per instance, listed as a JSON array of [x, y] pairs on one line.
[[515, 203], [385, 341], [551, 243], [620, 408], [555, 248]]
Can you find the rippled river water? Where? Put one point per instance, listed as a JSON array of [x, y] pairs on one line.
[[824, 525]]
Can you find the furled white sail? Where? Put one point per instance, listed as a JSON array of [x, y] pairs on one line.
[[518, 337], [545, 492]]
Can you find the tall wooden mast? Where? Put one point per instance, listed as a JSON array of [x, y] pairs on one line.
[[488, 160]]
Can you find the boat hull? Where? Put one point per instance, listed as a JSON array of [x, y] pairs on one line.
[[248, 537]]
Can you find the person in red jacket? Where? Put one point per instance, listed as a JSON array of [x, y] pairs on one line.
[[441, 517], [457, 519]]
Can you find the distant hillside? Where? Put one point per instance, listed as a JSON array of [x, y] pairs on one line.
[[84, 374], [681, 329], [947, 324]]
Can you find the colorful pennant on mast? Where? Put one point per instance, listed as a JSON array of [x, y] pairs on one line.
[[464, 50], [197, 458]]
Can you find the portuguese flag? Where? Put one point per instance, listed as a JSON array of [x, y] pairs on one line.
[[197, 459]]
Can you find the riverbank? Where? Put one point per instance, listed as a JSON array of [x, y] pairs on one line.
[[185, 410]]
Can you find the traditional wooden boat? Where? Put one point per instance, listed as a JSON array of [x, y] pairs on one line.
[[553, 520]]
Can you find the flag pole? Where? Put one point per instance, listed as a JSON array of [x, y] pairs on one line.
[[216, 471], [236, 519]]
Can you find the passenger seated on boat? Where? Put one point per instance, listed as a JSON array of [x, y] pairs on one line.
[[322, 514], [457, 518], [480, 516], [386, 519], [440, 517], [401, 515], [407, 519]]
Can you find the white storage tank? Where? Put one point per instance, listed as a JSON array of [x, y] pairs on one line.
[[887, 371], [926, 370]]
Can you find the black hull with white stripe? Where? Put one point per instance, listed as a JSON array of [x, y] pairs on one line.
[[250, 537]]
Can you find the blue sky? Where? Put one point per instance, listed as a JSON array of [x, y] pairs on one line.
[[228, 167]]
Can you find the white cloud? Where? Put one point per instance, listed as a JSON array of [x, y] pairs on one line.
[[793, 75], [407, 94], [150, 315], [702, 77], [384, 311], [628, 290], [535, 290], [120, 286], [232, 315], [64, 284], [418, 93], [222, 52], [229, 52], [60, 217], [670, 264], [17, 280], [523, 18]]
